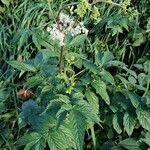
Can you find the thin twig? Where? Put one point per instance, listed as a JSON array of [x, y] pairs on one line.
[[79, 72]]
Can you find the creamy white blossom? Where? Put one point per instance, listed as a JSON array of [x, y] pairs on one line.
[[66, 25]]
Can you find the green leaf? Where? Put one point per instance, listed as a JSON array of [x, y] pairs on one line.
[[129, 123], [116, 63], [33, 81], [98, 57], [21, 66], [61, 138], [130, 144], [107, 77], [135, 99], [116, 124], [147, 141], [100, 88], [93, 100], [123, 80], [89, 65], [3, 94], [108, 56], [36, 39], [116, 29], [124, 23], [63, 98], [86, 109], [24, 35], [138, 39], [33, 141], [78, 40], [77, 125], [143, 116]]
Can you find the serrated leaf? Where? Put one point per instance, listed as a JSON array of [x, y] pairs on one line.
[[130, 144], [93, 100], [78, 40], [116, 124], [89, 65], [33, 141], [63, 98], [143, 116], [33, 81], [86, 109], [61, 138], [129, 123], [98, 58], [77, 126], [124, 23], [100, 88], [146, 140], [123, 80], [61, 116], [107, 77], [116, 63], [62, 113], [108, 56], [135, 99], [21, 66]]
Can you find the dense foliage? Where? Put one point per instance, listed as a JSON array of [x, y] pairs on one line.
[[88, 91]]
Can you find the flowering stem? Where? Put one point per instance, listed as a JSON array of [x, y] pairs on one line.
[[61, 57]]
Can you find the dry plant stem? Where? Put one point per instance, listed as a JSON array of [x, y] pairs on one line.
[[61, 57]]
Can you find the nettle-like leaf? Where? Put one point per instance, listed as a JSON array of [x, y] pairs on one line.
[[62, 114], [21, 66], [33, 81], [62, 138], [135, 99], [89, 113], [107, 57], [143, 116], [93, 100], [33, 141], [100, 88], [78, 40], [77, 123], [130, 144], [116, 124], [129, 123], [103, 58], [90, 66], [146, 140], [107, 77]]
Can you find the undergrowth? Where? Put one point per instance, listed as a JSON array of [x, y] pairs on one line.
[[74, 74]]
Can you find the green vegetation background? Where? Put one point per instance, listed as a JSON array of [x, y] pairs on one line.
[[97, 98]]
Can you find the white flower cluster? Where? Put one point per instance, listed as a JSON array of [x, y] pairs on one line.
[[66, 25]]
